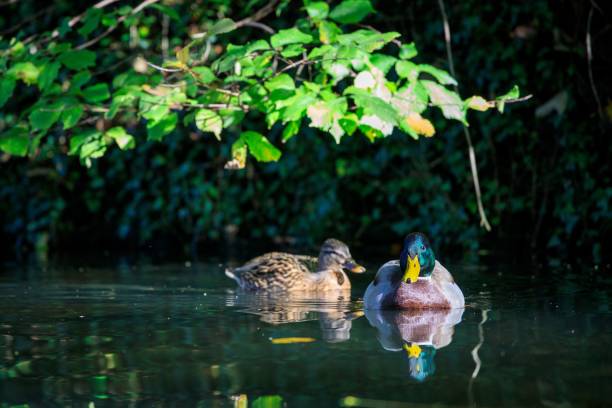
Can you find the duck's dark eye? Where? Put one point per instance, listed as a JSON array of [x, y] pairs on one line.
[[422, 247]]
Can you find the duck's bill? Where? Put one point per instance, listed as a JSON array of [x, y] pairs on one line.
[[354, 267]]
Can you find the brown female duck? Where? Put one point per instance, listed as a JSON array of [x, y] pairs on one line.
[[280, 271]]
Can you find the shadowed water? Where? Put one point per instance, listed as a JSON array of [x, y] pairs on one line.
[[183, 336]]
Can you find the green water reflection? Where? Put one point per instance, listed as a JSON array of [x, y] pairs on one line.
[[177, 336]]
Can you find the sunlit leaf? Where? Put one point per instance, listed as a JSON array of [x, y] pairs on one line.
[[441, 76], [317, 10], [408, 51], [25, 71], [448, 101], [511, 94], [260, 147], [478, 103], [290, 36], [209, 121], [123, 139]]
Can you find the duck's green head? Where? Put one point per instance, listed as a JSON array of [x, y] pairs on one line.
[[417, 257]]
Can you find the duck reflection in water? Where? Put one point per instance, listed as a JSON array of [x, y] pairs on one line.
[[418, 333], [331, 309]]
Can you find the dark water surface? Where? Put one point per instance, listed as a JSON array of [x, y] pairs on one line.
[[177, 335]]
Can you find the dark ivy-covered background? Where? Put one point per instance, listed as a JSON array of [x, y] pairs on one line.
[[544, 165]]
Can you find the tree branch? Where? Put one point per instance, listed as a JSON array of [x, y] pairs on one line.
[[484, 222], [259, 14]]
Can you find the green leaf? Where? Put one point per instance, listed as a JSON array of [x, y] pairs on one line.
[[297, 105], [78, 59], [291, 129], [349, 123], [328, 32], [26, 71], [511, 94], [382, 62], [15, 141], [441, 76], [7, 86], [90, 21], [268, 401], [448, 101], [80, 79], [407, 69], [43, 117], [225, 25], [47, 75], [260, 147], [367, 40], [209, 121], [96, 93], [204, 75], [168, 11], [351, 11], [157, 129], [373, 105], [290, 36], [292, 50], [71, 116], [123, 139], [317, 10], [239, 152], [77, 140], [408, 51], [477, 103], [280, 87]]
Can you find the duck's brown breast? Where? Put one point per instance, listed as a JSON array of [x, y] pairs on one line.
[[423, 294]]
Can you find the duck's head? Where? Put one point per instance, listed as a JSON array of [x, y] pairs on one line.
[[417, 257], [335, 254]]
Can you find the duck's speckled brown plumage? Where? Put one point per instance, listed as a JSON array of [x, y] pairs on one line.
[[280, 271]]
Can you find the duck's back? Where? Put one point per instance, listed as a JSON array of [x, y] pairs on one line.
[[271, 271]]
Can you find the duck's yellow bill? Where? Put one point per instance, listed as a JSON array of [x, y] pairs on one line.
[[414, 351], [413, 268]]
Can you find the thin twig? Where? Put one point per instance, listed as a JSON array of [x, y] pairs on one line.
[[484, 222], [590, 59], [110, 29], [157, 67], [74, 20], [261, 26], [259, 14]]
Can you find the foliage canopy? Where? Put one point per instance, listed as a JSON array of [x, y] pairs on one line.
[[323, 72]]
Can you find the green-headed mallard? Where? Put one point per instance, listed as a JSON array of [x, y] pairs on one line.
[[416, 281], [279, 271]]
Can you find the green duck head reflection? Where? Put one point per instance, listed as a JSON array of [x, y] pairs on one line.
[[417, 259], [421, 360]]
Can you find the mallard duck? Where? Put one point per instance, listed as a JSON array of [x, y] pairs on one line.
[[416, 281], [279, 271]]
